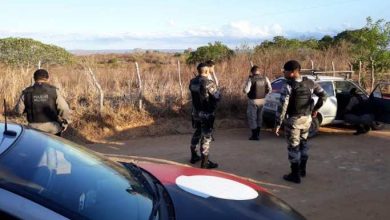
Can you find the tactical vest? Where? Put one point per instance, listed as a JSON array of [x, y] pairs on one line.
[[40, 103], [301, 102], [258, 89], [202, 101]]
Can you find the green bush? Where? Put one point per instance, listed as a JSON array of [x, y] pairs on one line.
[[28, 52], [217, 52]]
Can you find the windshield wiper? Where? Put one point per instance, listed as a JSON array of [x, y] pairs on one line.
[[139, 174]]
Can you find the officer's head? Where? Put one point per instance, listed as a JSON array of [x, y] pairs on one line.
[[203, 69], [210, 64], [255, 70], [291, 69], [41, 75], [353, 92]]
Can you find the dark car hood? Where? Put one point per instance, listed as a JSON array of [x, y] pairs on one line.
[[189, 205]]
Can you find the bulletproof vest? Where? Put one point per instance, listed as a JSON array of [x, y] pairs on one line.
[[195, 93], [301, 102], [202, 101], [258, 88], [40, 103]]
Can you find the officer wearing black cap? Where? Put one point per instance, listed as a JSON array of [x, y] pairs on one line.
[[298, 105], [44, 106], [205, 96]]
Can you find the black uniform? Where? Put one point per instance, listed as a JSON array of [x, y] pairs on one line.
[[205, 97]]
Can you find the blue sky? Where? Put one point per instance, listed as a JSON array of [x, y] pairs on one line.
[[175, 24]]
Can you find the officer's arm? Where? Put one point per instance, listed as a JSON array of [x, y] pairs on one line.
[[19, 107], [213, 90], [64, 112], [269, 86], [322, 96], [284, 100], [248, 85]]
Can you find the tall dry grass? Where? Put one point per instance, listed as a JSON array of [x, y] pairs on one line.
[[159, 73]]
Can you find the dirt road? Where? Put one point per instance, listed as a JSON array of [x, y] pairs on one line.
[[348, 176]]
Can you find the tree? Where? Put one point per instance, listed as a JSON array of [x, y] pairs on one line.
[[217, 52], [25, 53], [369, 43]]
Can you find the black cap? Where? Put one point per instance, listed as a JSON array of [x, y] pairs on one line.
[[41, 74], [292, 65], [210, 63]]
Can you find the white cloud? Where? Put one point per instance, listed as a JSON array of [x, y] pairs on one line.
[[232, 34]]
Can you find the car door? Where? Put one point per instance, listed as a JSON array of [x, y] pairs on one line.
[[329, 109], [380, 102]]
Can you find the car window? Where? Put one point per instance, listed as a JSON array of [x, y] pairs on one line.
[[328, 87], [345, 87], [71, 181], [277, 85], [382, 91]]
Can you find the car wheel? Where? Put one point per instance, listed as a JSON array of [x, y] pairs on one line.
[[376, 125], [314, 127]]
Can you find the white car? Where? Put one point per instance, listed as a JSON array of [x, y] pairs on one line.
[[332, 112]]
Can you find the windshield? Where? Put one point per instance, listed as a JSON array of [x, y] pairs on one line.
[[71, 180]]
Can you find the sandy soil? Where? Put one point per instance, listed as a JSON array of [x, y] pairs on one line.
[[348, 176]]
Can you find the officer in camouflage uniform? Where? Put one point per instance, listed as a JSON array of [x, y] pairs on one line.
[[256, 88], [45, 108], [297, 103], [205, 96]]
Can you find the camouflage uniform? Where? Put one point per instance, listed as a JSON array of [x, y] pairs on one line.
[[46, 123], [205, 96], [298, 122]]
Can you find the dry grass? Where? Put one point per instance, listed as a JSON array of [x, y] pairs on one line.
[[163, 106]]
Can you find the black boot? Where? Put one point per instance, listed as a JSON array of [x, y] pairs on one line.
[[302, 168], [254, 136], [194, 156], [258, 132], [294, 175], [360, 130], [207, 164]]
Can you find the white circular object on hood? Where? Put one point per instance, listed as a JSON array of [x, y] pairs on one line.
[[212, 186]]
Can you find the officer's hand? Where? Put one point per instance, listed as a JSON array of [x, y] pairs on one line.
[[314, 114], [277, 130]]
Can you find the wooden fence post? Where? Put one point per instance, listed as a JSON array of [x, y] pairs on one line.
[[101, 93], [360, 73], [333, 69], [180, 83], [372, 73], [139, 87], [312, 64]]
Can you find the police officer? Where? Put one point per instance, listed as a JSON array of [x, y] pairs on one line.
[[256, 88], [205, 96], [45, 108], [358, 114], [297, 103]]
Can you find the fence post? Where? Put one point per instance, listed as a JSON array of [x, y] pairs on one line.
[[372, 73], [333, 69], [312, 64], [360, 72], [139, 87], [101, 93], [180, 83]]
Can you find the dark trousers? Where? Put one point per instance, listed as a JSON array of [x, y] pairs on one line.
[[203, 134]]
